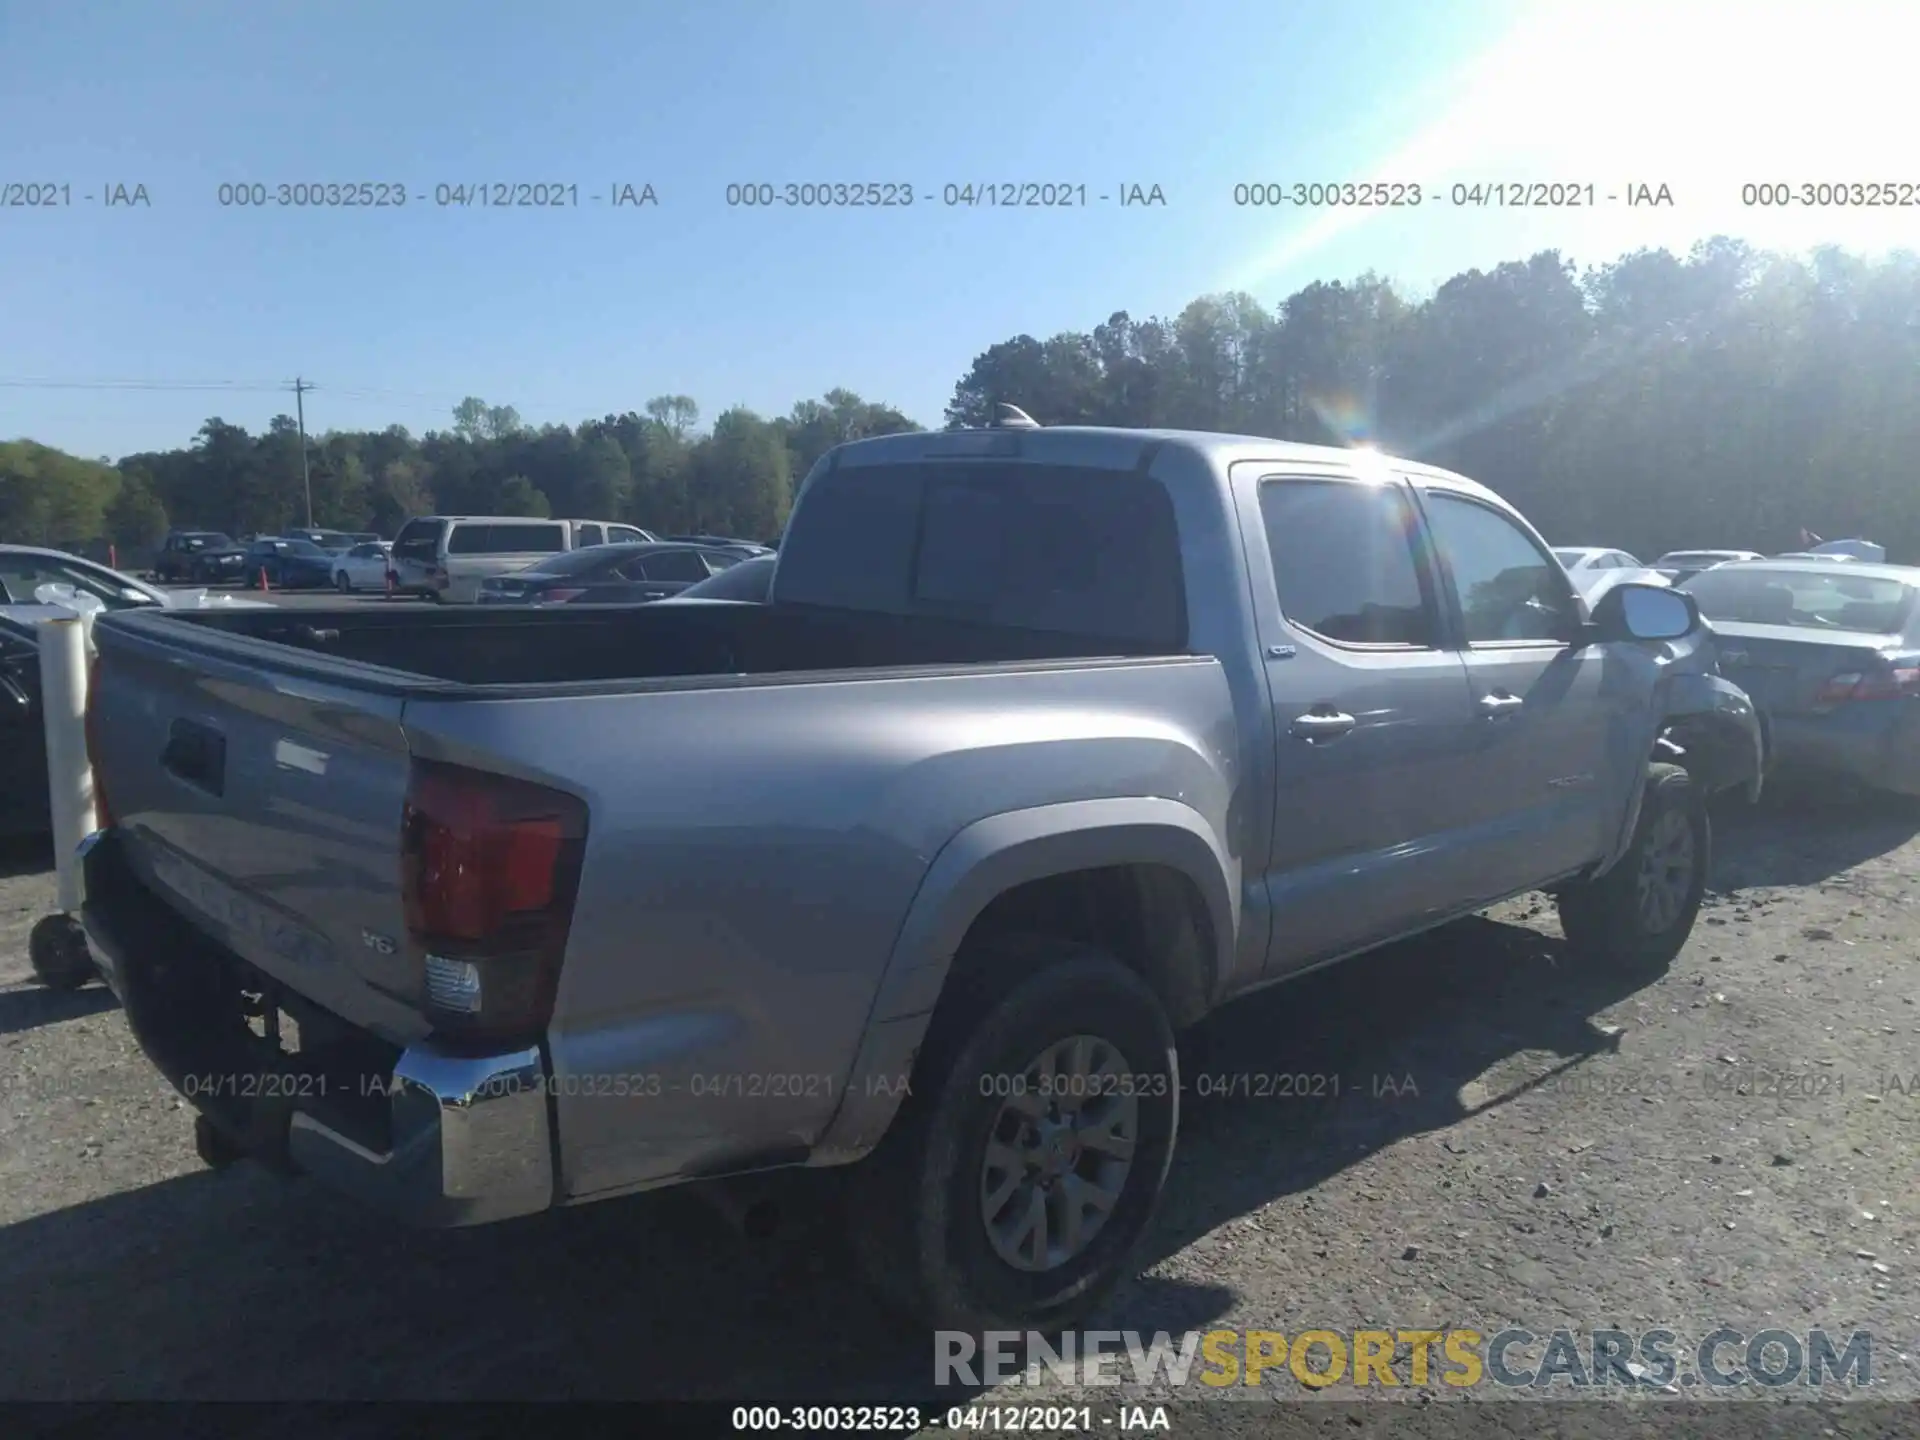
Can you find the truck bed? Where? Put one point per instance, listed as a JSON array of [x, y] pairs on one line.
[[593, 646]]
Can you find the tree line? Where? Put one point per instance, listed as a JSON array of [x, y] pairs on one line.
[[1724, 398]]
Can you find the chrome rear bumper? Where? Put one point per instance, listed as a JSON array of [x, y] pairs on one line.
[[437, 1140]]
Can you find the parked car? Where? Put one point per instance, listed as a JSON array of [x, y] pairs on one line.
[[1831, 656], [746, 581], [336, 541], [1045, 744], [744, 548], [445, 557], [622, 574], [289, 564], [1678, 565], [1828, 556], [363, 567], [1595, 571], [1855, 549], [1579, 558], [24, 805], [205, 557], [25, 568]]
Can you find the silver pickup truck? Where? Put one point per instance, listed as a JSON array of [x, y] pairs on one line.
[[1046, 743]]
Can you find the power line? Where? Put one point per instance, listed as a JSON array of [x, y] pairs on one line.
[[353, 392], [10, 383]]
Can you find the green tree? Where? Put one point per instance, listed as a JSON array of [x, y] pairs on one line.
[[517, 496], [136, 520]]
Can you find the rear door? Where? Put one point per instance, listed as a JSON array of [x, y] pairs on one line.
[[1372, 717], [1540, 790], [416, 551], [664, 573]]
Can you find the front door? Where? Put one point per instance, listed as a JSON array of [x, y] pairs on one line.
[[1371, 713], [1544, 782]]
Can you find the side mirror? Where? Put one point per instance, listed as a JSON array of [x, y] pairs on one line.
[[1633, 611]]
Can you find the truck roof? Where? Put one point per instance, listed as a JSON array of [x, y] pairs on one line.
[[1083, 444]]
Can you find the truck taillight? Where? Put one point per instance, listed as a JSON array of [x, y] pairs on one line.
[[1892, 683], [489, 868], [102, 813]]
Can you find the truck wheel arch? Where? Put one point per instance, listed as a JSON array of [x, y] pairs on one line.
[[991, 859], [1161, 849]]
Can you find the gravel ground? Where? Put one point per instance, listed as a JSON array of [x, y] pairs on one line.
[[1565, 1149]]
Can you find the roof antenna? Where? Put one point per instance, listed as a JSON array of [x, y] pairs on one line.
[[1012, 417]]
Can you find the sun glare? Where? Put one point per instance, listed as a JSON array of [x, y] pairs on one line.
[[1702, 99]]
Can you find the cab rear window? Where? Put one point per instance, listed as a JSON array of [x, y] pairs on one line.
[[1037, 547]]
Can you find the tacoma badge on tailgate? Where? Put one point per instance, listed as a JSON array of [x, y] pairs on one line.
[[241, 914]]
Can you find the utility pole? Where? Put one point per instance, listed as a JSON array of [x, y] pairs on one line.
[[300, 388]]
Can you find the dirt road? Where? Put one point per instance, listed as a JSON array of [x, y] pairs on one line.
[[1733, 1142]]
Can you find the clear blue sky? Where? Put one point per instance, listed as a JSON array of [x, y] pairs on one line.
[[573, 313]]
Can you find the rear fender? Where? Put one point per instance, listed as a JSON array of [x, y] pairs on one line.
[[982, 862]]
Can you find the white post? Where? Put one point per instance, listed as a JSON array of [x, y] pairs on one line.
[[63, 701]]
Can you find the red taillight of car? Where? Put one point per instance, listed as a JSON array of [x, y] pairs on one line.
[[489, 869], [1895, 682], [103, 814]]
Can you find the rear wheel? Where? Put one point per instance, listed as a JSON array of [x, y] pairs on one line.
[[342, 583], [1024, 1169], [57, 950], [1641, 911]]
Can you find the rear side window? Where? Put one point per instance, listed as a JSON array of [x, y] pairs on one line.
[[1036, 547], [676, 565], [507, 539], [1343, 562], [521, 539], [621, 534], [418, 539]]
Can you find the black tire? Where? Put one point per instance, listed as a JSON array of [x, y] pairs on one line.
[[915, 1206], [215, 1148], [342, 583], [1606, 921], [57, 950]]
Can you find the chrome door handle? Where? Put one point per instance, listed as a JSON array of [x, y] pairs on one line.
[[1496, 707], [1321, 725]]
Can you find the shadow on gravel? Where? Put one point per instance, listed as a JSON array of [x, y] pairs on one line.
[[1400, 1033], [31, 856], [237, 1285], [28, 1009], [1800, 834]]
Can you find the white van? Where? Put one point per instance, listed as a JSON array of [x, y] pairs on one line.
[[445, 557]]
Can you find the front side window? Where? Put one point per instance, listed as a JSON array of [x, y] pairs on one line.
[[1343, 562], [1509, 589]]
